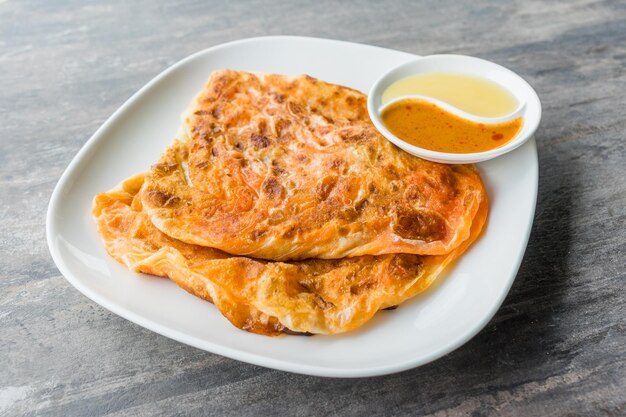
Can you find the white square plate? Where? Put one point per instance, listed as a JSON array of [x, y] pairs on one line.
[[421, 330]]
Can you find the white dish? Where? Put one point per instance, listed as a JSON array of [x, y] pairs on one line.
[[419, 331], [530, 106]]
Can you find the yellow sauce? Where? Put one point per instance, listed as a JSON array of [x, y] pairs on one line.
[[474, 95], [428, 126]]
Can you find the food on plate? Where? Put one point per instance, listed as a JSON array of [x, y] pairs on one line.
[[280, 203], [475, 95], [287, 168], [421, 123], [268, 297], [428, 126]]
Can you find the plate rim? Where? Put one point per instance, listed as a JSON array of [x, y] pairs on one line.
[[284, 365]]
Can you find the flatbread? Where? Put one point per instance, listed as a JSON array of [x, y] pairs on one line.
[[266, 297], [287, 168]]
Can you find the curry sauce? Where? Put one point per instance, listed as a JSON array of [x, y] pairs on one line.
[[428, 126], [474, 95]]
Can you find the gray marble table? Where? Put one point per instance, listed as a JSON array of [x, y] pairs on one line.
[[556, 347]]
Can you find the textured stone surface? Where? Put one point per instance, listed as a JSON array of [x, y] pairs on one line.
[[556, 347]]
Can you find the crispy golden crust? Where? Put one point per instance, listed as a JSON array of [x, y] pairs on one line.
[[290, 168], [312, 296]]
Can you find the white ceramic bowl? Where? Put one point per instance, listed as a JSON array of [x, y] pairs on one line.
[[459, 64]]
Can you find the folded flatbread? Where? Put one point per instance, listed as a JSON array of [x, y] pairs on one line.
[[268, 297], [288, 168]]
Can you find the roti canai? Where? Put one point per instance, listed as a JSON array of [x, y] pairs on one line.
[[268, 297], [287, 168]]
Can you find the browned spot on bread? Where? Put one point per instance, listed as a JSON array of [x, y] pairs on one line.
[[256, 234], [448, 178], [290, 232], [361, 287], [325, 187], [294, 108], [337, 163], [349, 214], [259, 141], [392, 171], [161, 199], [279, 98], [220, 82], [277, 169], [419, 225], [304, 287], [272, 188], [413, 194], [292, 333], [302, 158], [405, 265], [205, 136], [165, 167], [323, 304], [357, 137], [281, 126], [361, 205], [276, 217], [343, 231]]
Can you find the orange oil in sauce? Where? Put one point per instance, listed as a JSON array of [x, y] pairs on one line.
[[428, 126]]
